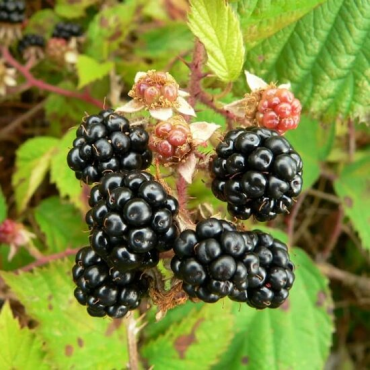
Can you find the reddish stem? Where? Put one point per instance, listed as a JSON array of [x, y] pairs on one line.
[[181, 187], [32, 81], [45, 260]]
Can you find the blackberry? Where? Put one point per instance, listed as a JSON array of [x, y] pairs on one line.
[[66, 31], [30, 40], [216, 261], [257, 172], [12, 12], [132, 220], [106, 143], [103, 290]]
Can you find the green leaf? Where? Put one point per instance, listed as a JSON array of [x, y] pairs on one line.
[[42, 22], [197, 341], [89, 70], [217, 27], [309, 141], [3, 207], [352, 187], [63, 177], [63, 112], [65, 9], [162, 42], [260, 18], [295, 336], [20, 348], [67, 232], [72, 338], [328, 69], [32, 163], [109, 28]]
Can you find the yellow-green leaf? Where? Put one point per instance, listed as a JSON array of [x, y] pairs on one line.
[[89, 70]]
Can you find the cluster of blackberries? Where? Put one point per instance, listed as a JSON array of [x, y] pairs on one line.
[[216, 261], [66, 31], [30, 40], [257, 172], [106, 143], [131, 220], [12, 11], [106, 291]]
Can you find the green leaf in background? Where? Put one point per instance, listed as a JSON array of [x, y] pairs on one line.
[[42, 23], [328, 68], [196, 342], [298, 335], [109, 28], [64, 178], [162, 42], [217, 27], [20, 348], [67, 232], [3, 207], [352, 187], [89, 70], [72, 338], [73, 9], [32, 163], [260, 18], [313, 143], [64, 112]]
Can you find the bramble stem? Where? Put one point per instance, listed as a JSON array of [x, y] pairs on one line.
[[131, 342], [32, 81]]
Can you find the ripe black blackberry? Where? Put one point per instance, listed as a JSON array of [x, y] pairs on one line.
[[131, 220], [66, 31], [30, 40], [216, 261], [257, 172], [103, 290], [106, 143], [12, 12]]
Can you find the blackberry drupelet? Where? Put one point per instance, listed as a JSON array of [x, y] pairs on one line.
[[30, 40], [66, 31], [216, 261], [257, 172], [106, 143], [12, 12], [103, 290], [132, 220]]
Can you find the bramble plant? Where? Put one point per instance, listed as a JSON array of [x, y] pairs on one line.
[[166, 161]]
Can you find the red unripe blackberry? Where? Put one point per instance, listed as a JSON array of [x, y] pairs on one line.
[[278, 110]]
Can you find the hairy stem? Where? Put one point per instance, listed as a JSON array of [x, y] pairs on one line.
[[32, 81], [47, 259], [132, 342]]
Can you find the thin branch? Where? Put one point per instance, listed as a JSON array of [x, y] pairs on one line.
[[326, 196], [85, 96], [182, 189], [293, 217], [47, 259], [23, 118], [359, 283]]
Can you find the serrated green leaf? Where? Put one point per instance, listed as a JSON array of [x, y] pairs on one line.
[[263, 18], [309, 141], [68, 232], [32, 163], [197, 341], [109, 28], [42, 23], [217, 27], [3, 207], [352, 187], [295, 336], [20, 348], [63, 177], [72, 338], [328, 69], [75, 9], [89, 70]]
